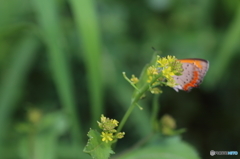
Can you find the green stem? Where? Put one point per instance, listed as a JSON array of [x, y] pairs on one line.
[[124, 75], [132, 106], [155, 109], [135, 99]]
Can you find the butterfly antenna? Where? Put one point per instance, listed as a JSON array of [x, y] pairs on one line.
[[154, 49]]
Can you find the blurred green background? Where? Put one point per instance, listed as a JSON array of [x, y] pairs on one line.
[[61, 65]]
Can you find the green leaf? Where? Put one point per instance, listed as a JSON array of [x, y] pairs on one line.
[[167, 148], [96, 147]]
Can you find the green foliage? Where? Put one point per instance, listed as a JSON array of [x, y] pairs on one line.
[[48, 17], [13, 81], [85, 15], [171, 147], [226, 51], [96, 147], [65, 58], [41, 135]]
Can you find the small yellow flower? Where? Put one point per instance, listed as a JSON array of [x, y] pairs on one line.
[[152, 70], [107, 124], [120, 135], [163, 62], [166, 61], [168, 73], [171, 59], [150, 78], [115, 122], [107, 136], [103, 118], [155, 90], [134, 79]]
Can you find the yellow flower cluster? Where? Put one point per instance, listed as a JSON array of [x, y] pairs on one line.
[[166, 60], [163, 72], [167, 72], [170, 66], [152, 71], [109, 132], [159, 73]]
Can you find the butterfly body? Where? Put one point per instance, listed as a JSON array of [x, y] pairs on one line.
[[193, 73]]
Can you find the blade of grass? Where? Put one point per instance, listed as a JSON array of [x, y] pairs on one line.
[[85, 16], [48, 17], [226, 52], [11, 85]]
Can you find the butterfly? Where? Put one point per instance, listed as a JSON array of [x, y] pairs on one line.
[[194, 70]]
